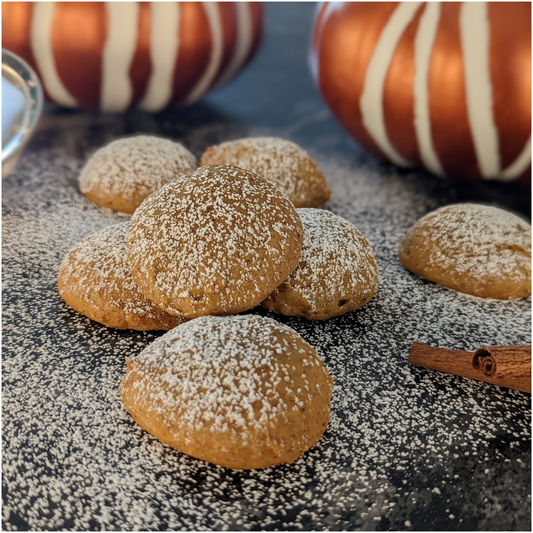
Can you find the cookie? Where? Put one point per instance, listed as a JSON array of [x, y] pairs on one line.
[[337, 271], [123, 173], [95, 280], [241, 392], [476, 249], [281, 162], [216, 242]]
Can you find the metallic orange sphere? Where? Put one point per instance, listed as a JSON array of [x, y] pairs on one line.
[[443, 85], [117, 55]]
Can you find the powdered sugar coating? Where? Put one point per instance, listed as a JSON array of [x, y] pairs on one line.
[[219, 365], [215, 242], [478, 249], [95, 279], [337, 271], [237, 378], [280, 161], [123, 173]]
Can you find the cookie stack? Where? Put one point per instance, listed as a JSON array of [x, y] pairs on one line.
[[220, 239], [206, 244]]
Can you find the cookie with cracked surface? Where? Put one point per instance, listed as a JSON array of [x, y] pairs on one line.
[[242, 392], [337, 272], [476, 249], [122, 174], [216, 242], [279, 161], [95, 280]]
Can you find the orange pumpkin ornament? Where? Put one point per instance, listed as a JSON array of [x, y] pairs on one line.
[[116, 55], [443, 85]]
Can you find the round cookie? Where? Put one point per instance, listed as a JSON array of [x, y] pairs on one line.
[[123, 173], [279, 161], [95, 280], [241, 392], [476, 249], [216, 242], [337, 271]]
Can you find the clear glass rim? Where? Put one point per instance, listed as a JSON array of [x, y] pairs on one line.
[[15, 69]]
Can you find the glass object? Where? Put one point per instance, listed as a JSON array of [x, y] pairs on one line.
[[22, 104]]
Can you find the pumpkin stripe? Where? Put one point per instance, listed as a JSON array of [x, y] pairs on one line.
[[141, 65], [510, 63], [474, 26], [371, 101], [41, 44], [243, 44], [215, 27], [450, 128], [519, 165], [398, 94], [343, 56], [424, 41], [194, 51], [119, 50], [165, 43], [79, 33], [228, 20]]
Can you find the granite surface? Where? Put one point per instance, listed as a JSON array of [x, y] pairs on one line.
[[406, 448]]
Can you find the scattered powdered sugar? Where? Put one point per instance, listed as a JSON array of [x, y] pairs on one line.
[[218, 369], [479, 241], [96, 271], [219, 240], [136, 166], [277, 160], [406, 448]]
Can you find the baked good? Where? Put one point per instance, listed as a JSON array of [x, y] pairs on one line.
[[216, 242], [241, 392], [279, 161], [337, 271], [95, 280], [476, 249], [123, 173]]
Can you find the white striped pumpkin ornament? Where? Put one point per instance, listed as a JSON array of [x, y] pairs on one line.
[[114, 56], [443, 85]]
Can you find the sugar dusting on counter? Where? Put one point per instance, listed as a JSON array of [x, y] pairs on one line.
[[406, 448]]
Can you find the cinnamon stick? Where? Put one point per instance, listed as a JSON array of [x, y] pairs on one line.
[[506, 366]]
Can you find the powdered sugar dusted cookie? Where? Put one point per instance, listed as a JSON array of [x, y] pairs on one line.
[[241, 392], [475, 249], [215, 242], [123, 173], [281, 162], [95, 280], [337, 271]]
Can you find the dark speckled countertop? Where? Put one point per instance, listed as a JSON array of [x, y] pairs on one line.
[[406, 448]]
